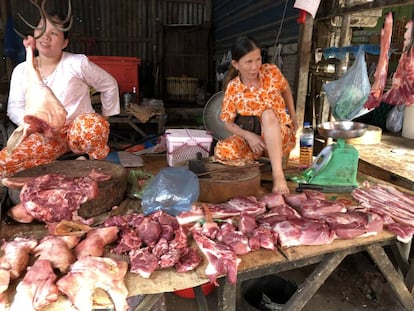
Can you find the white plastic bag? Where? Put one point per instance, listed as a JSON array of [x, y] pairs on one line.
[[395, 118], [348, 94]]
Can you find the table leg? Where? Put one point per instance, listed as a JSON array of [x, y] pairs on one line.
[[396, 282], [201, 299], [226, 295], [314, 281]]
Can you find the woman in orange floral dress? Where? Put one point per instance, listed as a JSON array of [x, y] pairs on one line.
[[70, 77], [260, 90]]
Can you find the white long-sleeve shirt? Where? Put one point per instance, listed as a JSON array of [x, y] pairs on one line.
[[70, 82]]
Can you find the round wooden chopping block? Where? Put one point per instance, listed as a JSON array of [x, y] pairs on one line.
[[111, 192], [222, 186]]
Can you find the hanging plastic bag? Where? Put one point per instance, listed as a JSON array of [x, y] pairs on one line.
[[395, 118], [348, 94], [172, 190]]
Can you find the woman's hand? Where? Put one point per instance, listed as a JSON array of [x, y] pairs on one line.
[[255, 142]]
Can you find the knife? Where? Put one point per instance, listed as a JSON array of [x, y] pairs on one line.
[[324, 188]]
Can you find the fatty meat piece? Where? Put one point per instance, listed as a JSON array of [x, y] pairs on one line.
[[95, 241], [58, 250], [37, 289], [16, 255], [44, 113], [89, 273]]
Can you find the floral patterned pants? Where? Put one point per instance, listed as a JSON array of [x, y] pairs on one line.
[[87, 134]]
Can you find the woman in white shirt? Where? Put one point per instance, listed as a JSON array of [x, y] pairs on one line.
[[70, 77]]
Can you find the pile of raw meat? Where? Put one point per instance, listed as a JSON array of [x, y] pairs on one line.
[[224, 231], [71, 265]]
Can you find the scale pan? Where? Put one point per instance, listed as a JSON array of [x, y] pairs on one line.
[[211, 117], [342, 129]]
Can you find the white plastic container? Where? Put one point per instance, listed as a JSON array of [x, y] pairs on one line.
[[408, 123], [184, 144]]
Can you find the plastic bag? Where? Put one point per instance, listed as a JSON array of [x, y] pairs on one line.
[[172, 190], [348, 94], [395, 118], [137, 180]]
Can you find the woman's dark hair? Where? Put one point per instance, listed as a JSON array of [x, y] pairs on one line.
[[242, 46]]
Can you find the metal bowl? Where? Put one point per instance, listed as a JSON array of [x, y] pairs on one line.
[[342, 129]]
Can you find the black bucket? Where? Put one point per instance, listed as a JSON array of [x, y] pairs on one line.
[[268, 293]]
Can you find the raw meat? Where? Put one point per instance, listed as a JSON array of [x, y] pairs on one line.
[[296, 232], [57, 250], [43, 112], [231, 208], [16, 255], [272, 199], [221, 259], [313, 208], [95, 241], [143, 262], [90, 273], [55, 197], [380, 75], [402, 89], [37, 289]]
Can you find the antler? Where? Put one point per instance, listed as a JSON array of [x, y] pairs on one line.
[[41, 6]]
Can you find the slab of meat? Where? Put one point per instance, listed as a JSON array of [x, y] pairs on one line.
[[402, 89], [314, 208], [272, 199], [57, 250], [380, 75], [231, 208], [95, 241], [386, 201], [296, 232], [16, 255], [222, 260], [44, 113], [90, 273], [55, 197], [37, 289]]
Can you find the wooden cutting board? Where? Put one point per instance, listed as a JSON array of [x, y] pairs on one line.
[[220, 186], [111, 192]]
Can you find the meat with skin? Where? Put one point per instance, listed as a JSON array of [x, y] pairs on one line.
[[95, 241], [4, 285], [44, 113], [355, 224], [221, 259], [89, 273], [278, 214], [37, 289], [402, 88], [313, 208], [272, 199], [386, 201], [296, 232], [233, 207], [380, 75], [403, 232], [55, 197], [57, 250], [16, 255]]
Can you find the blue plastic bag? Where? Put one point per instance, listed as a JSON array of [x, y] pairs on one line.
[[172, 190]]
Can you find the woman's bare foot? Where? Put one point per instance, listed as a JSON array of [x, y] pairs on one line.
[[280, 185]]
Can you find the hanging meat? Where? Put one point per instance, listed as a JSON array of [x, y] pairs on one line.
[[402, 89], [380, 75]]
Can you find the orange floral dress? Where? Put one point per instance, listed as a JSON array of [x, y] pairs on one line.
[[87, 134], [245, 101]]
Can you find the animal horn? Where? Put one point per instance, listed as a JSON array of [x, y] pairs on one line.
[[68, 18], [42, 17]]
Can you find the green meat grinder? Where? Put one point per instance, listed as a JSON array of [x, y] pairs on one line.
[[335, 168]]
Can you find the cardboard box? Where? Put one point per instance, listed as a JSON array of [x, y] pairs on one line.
[[184, 144]]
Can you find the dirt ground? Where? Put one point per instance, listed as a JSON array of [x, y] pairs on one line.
[[355, 285]]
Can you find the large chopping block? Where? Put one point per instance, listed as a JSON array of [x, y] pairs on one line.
[[111, 192]]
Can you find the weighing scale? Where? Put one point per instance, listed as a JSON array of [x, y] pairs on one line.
[[336, 166]]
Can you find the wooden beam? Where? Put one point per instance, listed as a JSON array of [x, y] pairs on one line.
[[304, 58]]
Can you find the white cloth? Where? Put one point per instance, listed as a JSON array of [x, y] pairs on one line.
[[70, 82], [310, 6]]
